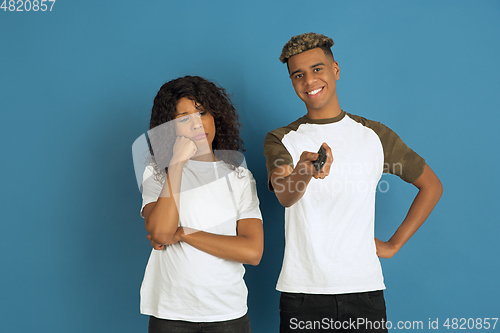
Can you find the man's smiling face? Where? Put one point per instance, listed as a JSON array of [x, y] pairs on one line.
[[314, 76]]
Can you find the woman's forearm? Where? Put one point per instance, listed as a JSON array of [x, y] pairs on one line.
[[162, 219], [246, 249]]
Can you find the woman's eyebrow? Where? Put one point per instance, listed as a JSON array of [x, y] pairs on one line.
[[180, 114]]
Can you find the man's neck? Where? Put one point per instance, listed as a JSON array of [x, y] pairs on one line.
[[324, 113]]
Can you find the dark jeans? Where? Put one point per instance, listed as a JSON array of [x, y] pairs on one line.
[[356, 312], [240, 325]]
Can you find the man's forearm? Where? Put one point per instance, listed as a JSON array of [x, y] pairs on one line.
[[430, 190], [290, 184], [291, 188], [422, 206]]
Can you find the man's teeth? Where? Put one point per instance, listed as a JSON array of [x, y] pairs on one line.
[[314, 92]]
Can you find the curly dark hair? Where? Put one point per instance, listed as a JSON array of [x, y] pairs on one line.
[[308, 41], [211, 98]]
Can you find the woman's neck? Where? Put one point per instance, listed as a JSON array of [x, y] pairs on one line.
[[206, 157]]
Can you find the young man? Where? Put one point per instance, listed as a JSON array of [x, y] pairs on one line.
[[331, 277]]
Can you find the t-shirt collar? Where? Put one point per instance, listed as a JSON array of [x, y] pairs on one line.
[[338, 118]]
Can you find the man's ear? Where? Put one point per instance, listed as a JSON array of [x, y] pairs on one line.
[[336, 69]]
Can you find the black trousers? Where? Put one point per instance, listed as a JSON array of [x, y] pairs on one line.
[[356, 312], [240, 325]]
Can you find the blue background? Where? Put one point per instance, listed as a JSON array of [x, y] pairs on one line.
[[76, 90]]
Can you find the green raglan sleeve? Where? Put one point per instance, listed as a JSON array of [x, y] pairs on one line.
[[276, 154], [399, 159]]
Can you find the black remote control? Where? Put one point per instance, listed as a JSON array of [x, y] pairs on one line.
[[318, 164]]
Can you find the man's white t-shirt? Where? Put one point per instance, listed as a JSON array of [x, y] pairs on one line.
[[182, 282], [330, 246]]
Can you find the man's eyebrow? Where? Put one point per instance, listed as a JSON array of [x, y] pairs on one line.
[[300, 70], [295, 72], [318, 64]]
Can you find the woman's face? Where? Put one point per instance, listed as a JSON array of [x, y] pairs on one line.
[[195, 123]]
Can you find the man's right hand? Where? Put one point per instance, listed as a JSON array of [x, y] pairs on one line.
[[290, 184], [306, 163]]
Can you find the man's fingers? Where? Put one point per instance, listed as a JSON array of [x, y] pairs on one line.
[[309, 156], [312, 156]]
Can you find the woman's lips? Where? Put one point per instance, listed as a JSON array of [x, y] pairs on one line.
[[200, 136]]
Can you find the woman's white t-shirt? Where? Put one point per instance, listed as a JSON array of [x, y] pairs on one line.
[[182, 282]]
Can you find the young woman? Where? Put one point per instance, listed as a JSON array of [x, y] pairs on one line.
[[201, 212]]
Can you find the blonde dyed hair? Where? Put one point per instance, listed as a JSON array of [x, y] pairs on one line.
[[300, 43]]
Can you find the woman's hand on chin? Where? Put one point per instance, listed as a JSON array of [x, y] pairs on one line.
[[184, 149]]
